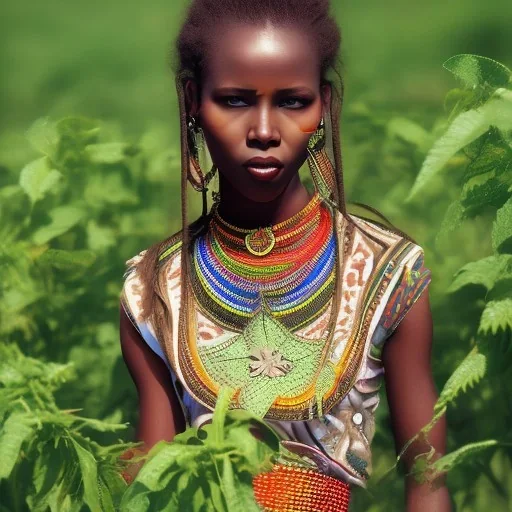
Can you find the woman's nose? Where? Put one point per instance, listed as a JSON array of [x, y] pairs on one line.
[[263, 128]]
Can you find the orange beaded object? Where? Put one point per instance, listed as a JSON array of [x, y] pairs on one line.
[[293, 489]]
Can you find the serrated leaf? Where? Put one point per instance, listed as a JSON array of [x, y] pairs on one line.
[[16, 430], [482, 191], [37, 178], [154, 474], [475, 70], [464, 129], [502, 225], [89, 474], [469, 372], [452, 219], [461, 455], [44, 136], [63, 218], [496, 315], [485, 272]]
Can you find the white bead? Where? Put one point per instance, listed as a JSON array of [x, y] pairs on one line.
[[357, 418]]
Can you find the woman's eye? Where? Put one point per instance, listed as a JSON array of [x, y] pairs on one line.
[[234, 101], [292, 103], [296, 103]]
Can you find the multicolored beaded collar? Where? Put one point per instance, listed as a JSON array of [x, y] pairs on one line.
[[288, 267]]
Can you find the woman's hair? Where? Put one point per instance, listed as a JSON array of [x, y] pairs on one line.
[[188, 59], [206, 18]]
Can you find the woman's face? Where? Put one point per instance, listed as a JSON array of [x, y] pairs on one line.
[[261, 97]]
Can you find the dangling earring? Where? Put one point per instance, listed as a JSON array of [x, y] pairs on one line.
[[320, 166], [196, 144], [318, 137]]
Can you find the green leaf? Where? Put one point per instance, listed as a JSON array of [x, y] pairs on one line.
[[475, 70], [469, 372], [63, 218], [482, 191], [16, 430], [461, 455], [100, 238], [496, 315], [77, 130], [216, 495], [68, 260], [154, 474], [452, 219], [464, 129], [107, 153], [502, 226], [44, 136], [109, 188], [37, 178], [48, 470], [485, 272], [228, 485], [89, 470], [219, 416], [409, 131]]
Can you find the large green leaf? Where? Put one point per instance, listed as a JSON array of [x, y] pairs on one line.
[[502, 226], [497, 315], [464, 129], [89, 470], [462, 454], [476, 70], [37, 178], [17, 429], [485, 272], [469, 372]]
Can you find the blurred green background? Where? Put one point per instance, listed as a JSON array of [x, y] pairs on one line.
[[109, 61]]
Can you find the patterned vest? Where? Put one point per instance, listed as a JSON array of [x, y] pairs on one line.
[[382, 277]]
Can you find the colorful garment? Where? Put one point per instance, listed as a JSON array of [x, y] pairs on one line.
[[326, 415]]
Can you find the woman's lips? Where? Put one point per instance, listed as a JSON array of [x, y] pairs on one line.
[[263, 173]]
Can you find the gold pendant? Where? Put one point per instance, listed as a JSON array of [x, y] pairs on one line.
[[260, 241]]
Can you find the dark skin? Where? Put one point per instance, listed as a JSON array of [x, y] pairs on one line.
[[263, 118]]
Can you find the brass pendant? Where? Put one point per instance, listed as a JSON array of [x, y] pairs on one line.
[[260, 241]]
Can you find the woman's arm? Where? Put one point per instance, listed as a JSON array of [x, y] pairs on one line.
[[411, 394], [160, 414]]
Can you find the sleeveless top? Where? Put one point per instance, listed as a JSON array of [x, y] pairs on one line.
[[383, 274]]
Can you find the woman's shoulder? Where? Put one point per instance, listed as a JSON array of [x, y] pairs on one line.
[[387, 243], [140, 273]]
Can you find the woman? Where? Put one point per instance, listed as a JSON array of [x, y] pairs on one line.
[[277, 292]]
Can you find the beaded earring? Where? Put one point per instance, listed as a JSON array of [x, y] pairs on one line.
[[196, 144], [195, 174], [320, 166]]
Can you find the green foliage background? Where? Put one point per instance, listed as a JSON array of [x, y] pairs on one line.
[[89, 172]]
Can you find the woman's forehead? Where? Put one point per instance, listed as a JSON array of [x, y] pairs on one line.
[[265, 56]]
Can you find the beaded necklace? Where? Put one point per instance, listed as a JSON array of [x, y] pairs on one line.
[[288, 267]]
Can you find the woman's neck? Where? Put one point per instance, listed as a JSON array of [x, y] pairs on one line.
[[244, 213]]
